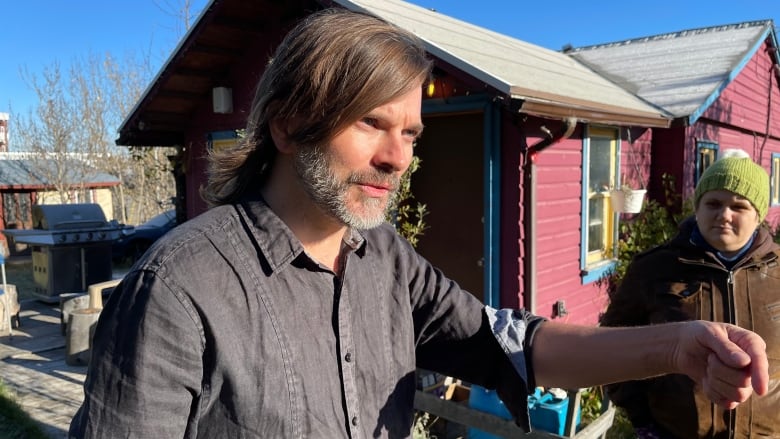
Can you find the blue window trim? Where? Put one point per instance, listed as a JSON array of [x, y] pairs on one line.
[[594, 273], [700, 145], [772, 178], [491, 209]]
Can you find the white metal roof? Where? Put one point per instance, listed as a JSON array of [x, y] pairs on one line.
[[519, 69], [682, 72]]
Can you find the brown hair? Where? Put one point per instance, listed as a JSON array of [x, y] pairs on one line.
[[329, 71]]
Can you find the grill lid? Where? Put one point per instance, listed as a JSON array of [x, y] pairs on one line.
[[69, 224], [68, 216]]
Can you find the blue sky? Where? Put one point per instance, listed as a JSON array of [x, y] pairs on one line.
[[37, 33]]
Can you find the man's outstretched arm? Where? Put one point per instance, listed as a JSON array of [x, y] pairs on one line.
[[729, 362]]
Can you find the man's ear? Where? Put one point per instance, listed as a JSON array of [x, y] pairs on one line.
[[280, 132]]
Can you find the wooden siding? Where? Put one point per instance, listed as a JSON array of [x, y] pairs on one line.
[[635, 157], [745, 116], [559, 207], [745, 101], [242, 78]]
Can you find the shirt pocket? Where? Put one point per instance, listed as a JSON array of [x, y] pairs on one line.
[[677, 301]]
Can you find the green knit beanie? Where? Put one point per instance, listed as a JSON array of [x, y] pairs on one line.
[[740, 175]]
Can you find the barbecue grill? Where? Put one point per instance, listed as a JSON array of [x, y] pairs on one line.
[[71, 247]]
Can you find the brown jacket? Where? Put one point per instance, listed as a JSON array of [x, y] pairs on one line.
[[679, 281]]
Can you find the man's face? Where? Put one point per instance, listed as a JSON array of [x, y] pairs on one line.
[[726, 220], [355, 176]]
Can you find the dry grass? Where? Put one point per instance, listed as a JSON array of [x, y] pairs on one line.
[[15, 423]]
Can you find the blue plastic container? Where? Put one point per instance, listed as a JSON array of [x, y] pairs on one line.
[[486, 401], [547, 412]]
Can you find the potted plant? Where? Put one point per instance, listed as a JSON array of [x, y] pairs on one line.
[[626, 199]]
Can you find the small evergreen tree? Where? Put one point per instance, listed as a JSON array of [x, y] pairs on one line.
[[404, 213]]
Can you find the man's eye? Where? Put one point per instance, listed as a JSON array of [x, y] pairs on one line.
[[370, 121]]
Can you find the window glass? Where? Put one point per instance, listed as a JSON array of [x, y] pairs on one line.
[[706, 154], [601, 161]]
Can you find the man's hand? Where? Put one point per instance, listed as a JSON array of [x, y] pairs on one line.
[[729, 362]]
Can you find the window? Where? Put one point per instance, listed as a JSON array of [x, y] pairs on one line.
[[774, 185], [10, 208], [601, 149], [706, 154], [218, 140], [16, 208]]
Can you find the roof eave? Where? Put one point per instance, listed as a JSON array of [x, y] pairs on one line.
[[149, 139], [591, 112], [132, 121]]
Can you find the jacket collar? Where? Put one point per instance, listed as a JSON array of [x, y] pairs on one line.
[[763, 243]]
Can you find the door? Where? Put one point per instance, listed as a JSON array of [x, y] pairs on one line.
[[450, 183]]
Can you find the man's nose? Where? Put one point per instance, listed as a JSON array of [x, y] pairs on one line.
[[394, 154]]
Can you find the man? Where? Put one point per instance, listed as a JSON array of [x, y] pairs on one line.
[[290, 309]]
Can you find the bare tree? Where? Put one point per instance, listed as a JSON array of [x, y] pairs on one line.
[[71, 135], [50, 134], [147, 183], [181, 11], [72, 130]]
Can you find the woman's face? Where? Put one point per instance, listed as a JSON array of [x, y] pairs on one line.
[[726, 220]]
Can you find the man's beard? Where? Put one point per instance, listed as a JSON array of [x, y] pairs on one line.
[[313, 166]]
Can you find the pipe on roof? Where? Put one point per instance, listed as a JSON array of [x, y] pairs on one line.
[[529, 207]]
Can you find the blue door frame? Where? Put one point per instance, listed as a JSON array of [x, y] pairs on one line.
[[491, 210]]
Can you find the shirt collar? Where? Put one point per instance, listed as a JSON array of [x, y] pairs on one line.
[[275, 241]]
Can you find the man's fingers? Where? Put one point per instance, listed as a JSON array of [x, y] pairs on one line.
[[731, 354], [725, 385], [754, 347]]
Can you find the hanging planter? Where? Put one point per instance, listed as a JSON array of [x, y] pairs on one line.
[[627, 200]]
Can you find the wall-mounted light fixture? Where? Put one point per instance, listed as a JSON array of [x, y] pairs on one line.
[[430, 89], [439, 85], [222, 100]]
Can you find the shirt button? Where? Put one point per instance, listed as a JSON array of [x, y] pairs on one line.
[[348, 357], [354, 421]]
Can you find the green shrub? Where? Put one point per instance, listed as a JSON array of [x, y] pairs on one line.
[[655, 224], [590, 404], [406, 215]]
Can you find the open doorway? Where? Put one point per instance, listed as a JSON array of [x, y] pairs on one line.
[[450, 182]]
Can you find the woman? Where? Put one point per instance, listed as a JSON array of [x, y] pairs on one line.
[[722, 266]]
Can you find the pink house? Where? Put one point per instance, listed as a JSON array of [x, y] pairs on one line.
[[720, 86], [520, 147]]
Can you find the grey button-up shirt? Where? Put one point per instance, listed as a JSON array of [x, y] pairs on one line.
[[227, 329]]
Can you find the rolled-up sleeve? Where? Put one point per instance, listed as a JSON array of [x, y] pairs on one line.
[[514, 331]]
